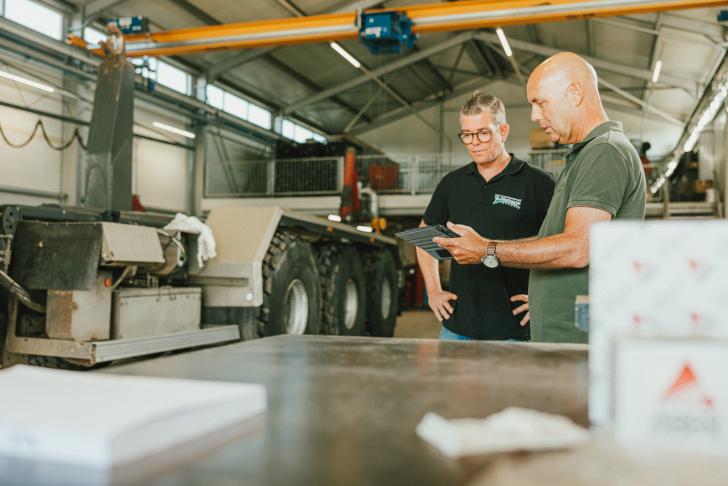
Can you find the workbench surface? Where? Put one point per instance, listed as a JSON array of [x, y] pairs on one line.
[[343, 411]]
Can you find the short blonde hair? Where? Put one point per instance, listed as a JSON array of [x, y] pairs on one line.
[[480, 102]]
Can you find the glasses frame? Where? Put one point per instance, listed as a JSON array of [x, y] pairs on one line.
[[478, 135]]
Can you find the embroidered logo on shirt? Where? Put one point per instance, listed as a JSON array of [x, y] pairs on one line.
[[508, 201]]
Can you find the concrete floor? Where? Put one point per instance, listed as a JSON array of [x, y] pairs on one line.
[[417, 324]]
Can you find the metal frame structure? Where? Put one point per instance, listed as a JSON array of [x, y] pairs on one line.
[[438, 17]]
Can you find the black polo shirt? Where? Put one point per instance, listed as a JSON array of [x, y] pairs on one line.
[[510, 206]]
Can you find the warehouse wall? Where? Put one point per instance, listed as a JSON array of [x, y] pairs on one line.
[[160, 172], [231, 166], [35, 166], [410, 134]]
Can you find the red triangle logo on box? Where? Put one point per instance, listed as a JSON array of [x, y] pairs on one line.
[[686, 388]]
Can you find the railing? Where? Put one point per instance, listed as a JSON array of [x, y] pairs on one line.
[[386, 174], [274, 177], [552, 161]]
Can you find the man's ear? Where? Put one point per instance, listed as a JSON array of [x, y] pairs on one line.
[[504, 129], [575, 92]]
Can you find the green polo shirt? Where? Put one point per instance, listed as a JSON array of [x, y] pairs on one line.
[[603, 171]]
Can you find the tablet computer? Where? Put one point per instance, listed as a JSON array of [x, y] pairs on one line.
[[422, 238]]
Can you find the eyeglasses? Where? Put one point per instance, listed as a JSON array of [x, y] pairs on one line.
[[484, 136]]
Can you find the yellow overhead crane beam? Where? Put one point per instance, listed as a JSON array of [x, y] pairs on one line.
[[435, 17]]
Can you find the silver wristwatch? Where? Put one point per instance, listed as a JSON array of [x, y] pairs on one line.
[[489, 259]]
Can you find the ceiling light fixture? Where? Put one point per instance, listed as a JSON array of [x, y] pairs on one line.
[[656, 71], [504, 41], [706, 117], [175, 130], [343, 53], [27, 82]]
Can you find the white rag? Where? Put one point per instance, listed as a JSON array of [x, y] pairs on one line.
[[513, 429], [205, 240]]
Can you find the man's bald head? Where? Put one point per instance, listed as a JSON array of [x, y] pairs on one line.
[[566, 67], [564, 96]]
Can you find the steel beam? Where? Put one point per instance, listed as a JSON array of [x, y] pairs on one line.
[[236, 60], [691, 85], [207, 18], [240, 58], [454, 68], [92, 9], [674, 32], [399, 113], [387, 68], [293, 74], [481, 61], [460, 90], [196, 12], [47, 44], [437, 17], [435, 72], [545, 51], [590, 38], [656, 45], [645, 106]]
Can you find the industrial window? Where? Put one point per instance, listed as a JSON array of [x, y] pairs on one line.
[[215, 96], [173, 77], [165, 74], [288, 129], [299, 133], [35, 16], [93, 36], [302, 134], [235, 105], [259, 116]]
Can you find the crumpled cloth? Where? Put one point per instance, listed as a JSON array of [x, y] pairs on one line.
[[513, 429], [205, 240]]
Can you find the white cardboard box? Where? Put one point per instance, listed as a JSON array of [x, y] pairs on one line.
[[672, 392], [652, 279]]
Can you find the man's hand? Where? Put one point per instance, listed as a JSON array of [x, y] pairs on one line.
[[439, 301], [469, 248], [522, 308]]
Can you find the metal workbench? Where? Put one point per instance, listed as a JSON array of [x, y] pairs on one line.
[[343, 411]]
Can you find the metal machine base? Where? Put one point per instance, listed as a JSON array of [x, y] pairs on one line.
[[93, 352]]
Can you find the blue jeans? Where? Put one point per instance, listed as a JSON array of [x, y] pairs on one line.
[[448, 335]]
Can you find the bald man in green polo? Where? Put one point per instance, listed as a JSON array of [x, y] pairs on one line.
[[602, 180]]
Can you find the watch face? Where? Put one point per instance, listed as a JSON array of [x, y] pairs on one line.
[[490, 261]]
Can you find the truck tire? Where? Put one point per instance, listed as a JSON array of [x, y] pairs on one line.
[[343, 290], [246, 318], [382, 293], [291, 288]]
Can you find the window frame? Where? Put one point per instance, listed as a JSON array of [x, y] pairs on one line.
[[41, 6]]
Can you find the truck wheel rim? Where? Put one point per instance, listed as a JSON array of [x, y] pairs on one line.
[[386, 298], [297, 304], [351, 304]]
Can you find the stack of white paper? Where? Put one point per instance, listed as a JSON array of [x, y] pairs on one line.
[[100, 420]]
